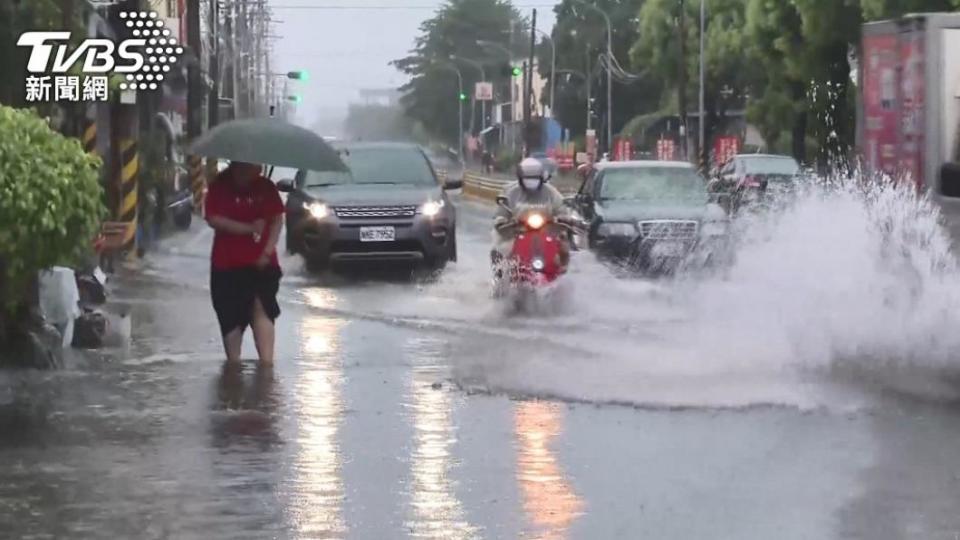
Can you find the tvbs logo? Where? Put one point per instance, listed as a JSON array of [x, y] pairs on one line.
[[99, 55], [144, 60]]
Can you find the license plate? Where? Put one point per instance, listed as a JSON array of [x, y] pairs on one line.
[[668, 249], [378, 234]]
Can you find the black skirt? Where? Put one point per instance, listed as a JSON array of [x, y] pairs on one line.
[[233, 293]]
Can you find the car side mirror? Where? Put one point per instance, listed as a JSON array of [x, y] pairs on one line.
[[452, 184], [286, 186]]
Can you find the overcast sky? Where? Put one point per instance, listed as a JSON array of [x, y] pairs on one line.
[[348, 45]]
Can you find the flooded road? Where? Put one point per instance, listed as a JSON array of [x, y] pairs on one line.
[[421, 410]]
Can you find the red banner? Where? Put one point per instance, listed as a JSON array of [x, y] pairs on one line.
[[666, 150], [623, 150], [725, 148], [879, 104]]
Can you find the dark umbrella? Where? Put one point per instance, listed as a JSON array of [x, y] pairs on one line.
[[268, 141]]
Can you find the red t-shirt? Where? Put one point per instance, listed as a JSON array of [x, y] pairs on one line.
[[260, 200]]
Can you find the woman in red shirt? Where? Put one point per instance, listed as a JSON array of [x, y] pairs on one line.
[[246, 213]]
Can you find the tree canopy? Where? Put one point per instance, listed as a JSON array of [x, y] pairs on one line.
[[787, 63], [431, 96]]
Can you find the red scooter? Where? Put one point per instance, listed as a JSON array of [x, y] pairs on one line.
[[540, 253]]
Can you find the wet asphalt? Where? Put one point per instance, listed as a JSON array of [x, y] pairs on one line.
[[380, 421]]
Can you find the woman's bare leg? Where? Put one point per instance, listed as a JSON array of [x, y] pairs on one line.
[[233, 344], [263, 333]]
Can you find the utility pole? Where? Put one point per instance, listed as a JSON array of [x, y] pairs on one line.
[[213, 102], [528, 88], [194, 80], [589, 74], [234, 59], [682, 80], [704, 155], [243, 59]]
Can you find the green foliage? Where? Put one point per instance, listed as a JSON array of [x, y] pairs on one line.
[[50, 199], [580, 33], [731, 65], [506, 160], [431, 96]]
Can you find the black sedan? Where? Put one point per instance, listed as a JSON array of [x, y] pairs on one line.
[[650, 215]]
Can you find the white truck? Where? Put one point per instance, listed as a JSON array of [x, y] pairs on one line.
[[909, 110]]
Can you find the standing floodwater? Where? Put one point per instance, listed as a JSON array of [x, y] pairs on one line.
[[751, 408]]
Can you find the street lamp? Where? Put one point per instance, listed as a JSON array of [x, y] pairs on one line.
[[460, 95], [513, 96], [498, 46], [606, 19], [553, 68], [483, 78]]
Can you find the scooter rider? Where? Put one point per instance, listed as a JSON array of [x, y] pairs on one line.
[[530, 191]]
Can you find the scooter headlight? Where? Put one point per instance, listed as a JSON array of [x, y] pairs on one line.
[[432, 208], [317, 210], [538, 264], [536, 221]]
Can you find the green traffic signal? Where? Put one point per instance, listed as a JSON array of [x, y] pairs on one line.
[[517, 71], [301, 75], [463, 97], [295, 99]]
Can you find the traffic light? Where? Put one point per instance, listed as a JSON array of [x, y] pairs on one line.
[[463, 97], [507, 71], [301, 75], [295, 99]]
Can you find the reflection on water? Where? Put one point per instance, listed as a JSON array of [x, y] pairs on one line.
[[548, 498], [437, 513], [316, 483], [246, 406]]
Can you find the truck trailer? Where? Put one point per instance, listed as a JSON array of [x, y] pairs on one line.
[[909, 110]]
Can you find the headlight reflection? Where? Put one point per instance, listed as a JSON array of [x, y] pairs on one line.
[[317, 483], [548, 498], [437, 513]]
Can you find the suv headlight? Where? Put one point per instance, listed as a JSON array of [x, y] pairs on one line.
[[714, 228], [432, 208], [317, 209], [617, 229]]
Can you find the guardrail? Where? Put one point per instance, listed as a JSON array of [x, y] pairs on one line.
[[482, 187]]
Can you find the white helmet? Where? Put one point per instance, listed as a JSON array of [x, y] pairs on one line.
[[531, 174]]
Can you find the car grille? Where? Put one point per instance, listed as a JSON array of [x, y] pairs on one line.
[[364, 212], [669, 230]]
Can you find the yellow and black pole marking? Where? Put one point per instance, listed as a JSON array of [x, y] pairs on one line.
[[90, 137], [197, 181], [129, 169]]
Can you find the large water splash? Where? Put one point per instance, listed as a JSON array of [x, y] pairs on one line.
[[853, 274]]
